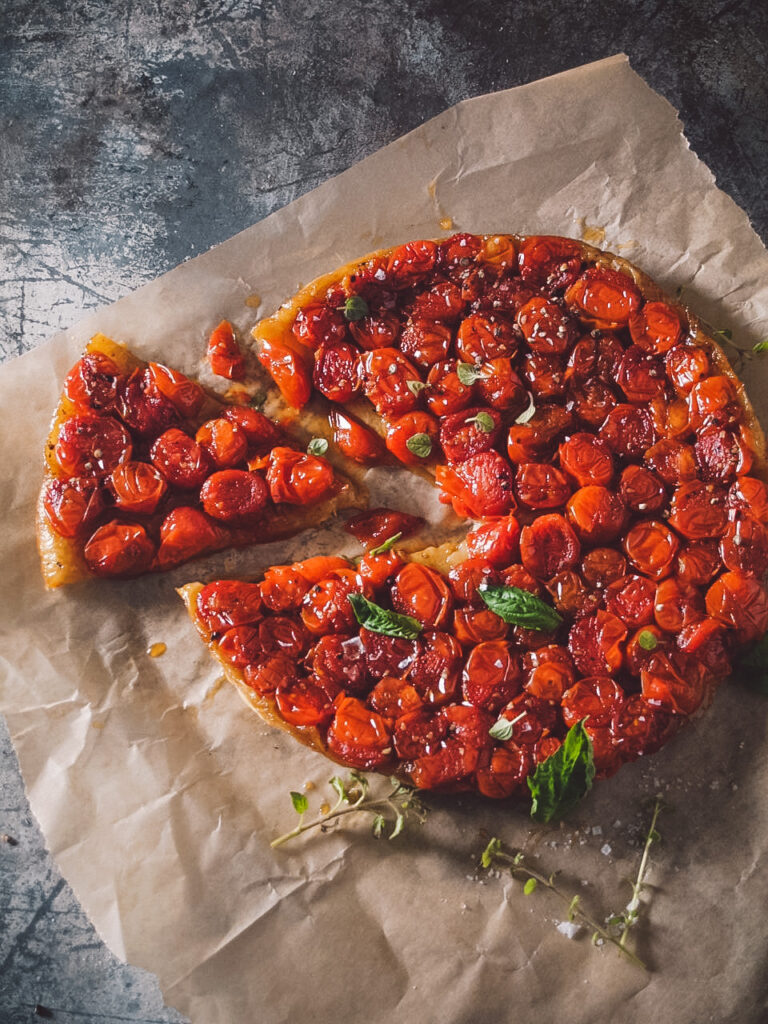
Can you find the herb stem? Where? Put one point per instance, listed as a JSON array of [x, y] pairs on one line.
[[638, 883], [361, 804]]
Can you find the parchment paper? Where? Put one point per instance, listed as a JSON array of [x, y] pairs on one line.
[[158, 793]]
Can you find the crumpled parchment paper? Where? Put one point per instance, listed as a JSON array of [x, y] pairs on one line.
[[158, 791]]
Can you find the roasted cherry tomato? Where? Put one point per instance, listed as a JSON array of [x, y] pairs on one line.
[[265, 675], [422, 593], [318, 324], [628, 430], [224, 355], [531, 718], [545, 376], [90, 446], [467, 576], [376, 570], [376, 525], [501, 388], [548, 672], [750, 494], [698, 562], [137, 487], [340, 659], [224, 441], [482, 337], [379, 330], [186, 533], [530, 441], [602, 566], [597, 697], [675, 682], [739, 602], [721, 455], [506, 774], [570, 596], [595, 358], [184, 395], [387, 655], [639, 728], [445, 392], [142, 407], [686, 365], [303, 703], [387, 375], [392, 697], [358, 736], [595, 642], [548, 546], [477, 625], [93, 382], [546, 326], [497, 540], [281, 634], [541, 486], [744, 546], [436, 669], [591, 401], [418, 733], [119, 549], [412, 437], [655, 328], [550, 262], [596, 513], [698, 511], [71, 504], [426, 342], [479, 487], [410, 263], [604, 298], [326, 607], [337, 371], [713, 401], [641, 376], [298, 479], [234, 496], [641, 490], [260, 432], [283, 587], [651, 548], [354, 440], [287, 364], [586, 459], [631, 599], [442, 302], [677, 605], [469, 432], [492, 675], [181, 460], [228, 603], [241, 646]]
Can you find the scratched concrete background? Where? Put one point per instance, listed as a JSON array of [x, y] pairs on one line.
[[135, 135]]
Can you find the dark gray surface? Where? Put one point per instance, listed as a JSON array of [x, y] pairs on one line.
[[137, 135]]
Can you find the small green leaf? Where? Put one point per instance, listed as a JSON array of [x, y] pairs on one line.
[[387, 545], [761, 346], [317, 446], [341, 789], [415, 386], [355, 308], [528, 413], [378, 825], [468, 374], [647, 640], [380, 620], [572, 907], [530, 886], [489, 853], [483, 421], [399, 823], [752, 668], [300, 802], [502, 729], [519, 607], [420, 445], [562, 779]]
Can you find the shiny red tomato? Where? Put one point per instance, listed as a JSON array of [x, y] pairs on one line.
[[586, 459], [548, 672], [93, 383], [386, 377], [70, 505], [492, 675], [265, 675], [412, 437], [570, 596], [604, 298], [426, 342], [379, 330], [260, 432], [387, 655], [506, 774], [698, 511], [651, 548], [418, 733], [376, 525], [359, 737], [479, 487], [228, 603], [142, 407], [376, 570], [501, 388], [297, 478], [340, 659], [602, 566], [722, 455], [469, 432], [442, 302], [119, 549], [392, 697], [303, 703], [186, 533], [477, 625], [628, 430], [287, 364], [497, 540], [319, 324], [137, 487], [353, 440], [184, 395], [655, 328], [224, 355], [481, 337], [750, 494], [676, 682], [336, 373], [549, 262], [224, 441], [445, 392], [90, 445], [181, 460], [531, 441], [436, 670], [741, 603], [548, 545], [713, 401], [597, 697], [326, 608], [641, 376], [631, 599], [641, 490], [546, 326], [422, 593], [234, 496], [595, 642], [677, 605], [686, 365]]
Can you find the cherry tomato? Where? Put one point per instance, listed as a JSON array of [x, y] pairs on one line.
[[518, 576], [479, 487], [260, 432], [353, 440], [531, 718], [89, 445], [358, 736], [376, 525], [71, 504], [224, 441], [444, 392], [467, 576], [386, 376], [499, 252], [436, 669], [607, 759], [418, 428], [142, 407], [639, 728], [697, 510], [637, 654], [422, 593], [596, 357], [426, 342], [586, 459], [651, 548], [631, 599], [501, 388], [744, 546], [326, 608], [269, 672], [184, 395], [544, 375], [529, 442], [223, 352], [376, 570], [641, 376], [379, 330], [469, 432], [548, 672], [186, 533], [505, 295], [234, 495], [677, 605], [119, 549], [280, 634], [698, 562], [713, 401], [228, 603], [676, 683], [387, 655], [655, 328], [340, 659], [597, 514], [442, 302], [492, 675], [418, 733], [750, 494], [496, 540], [549, 261], [597, 697], [506, 774], [570, 596], [541, 486], [182, 461], [481, 337], [241, 646], [591, 401], [477, 625], [546, 326], [297, 478], [287, 364], [602, 566], [410, 263], [283, 588], [317, 324], [392, 697], [721, 455], [302, 702], [628, 431], [641, 490], [604, 298], [706, 639], [337, 371], [739, 602], [595, 642], [93, 382], [548, 546], [137, 487], [686, 365]]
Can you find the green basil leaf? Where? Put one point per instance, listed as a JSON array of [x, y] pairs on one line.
[[502, 729], [387, 545], [415, 386], [483, 421], [355, 308], [561, 780], [380, 620], [752, 667], [317, 446], [647, 640], [519, 607], [420, 445], [468, 374], [300, 802]]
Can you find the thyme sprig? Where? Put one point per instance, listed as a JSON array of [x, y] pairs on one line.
[[391, 811]]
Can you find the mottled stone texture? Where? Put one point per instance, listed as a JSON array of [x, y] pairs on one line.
[[136, 135]]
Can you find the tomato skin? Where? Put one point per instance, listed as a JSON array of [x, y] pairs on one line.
[[721, 455], [545, 376], [595, 358], [301, 702], [288, 366], [506, 774], [358, 736], [376, 525], [444, 393], [641, 376], [422, 593], [635, 655], [392, 697], [269, 672], [586, 459], [70, 504], [283, 588], [744, 546], [223, 352], [528, 442], [467, 576], [676, 683], [379, 330], [298, 479], [673, 461], [741, 603], [651, 548], [501, 388], [602, 566], [89, 446], [628, 430], [697, 510], [418, 733], [228, 603], [260, 432], [706, 639], [638, 728], [750, 494], [224, 441], [591, 401], [387, 655], [426, 342], [241, 646], [184, 534], [677, 605], [596, 696], [595, 643], [436, 670], [142, 407], [336, 373], [184, 395], [410, 263], [340, 659], [570, 596], [119, 549], [546, 326], [605, 298], [482, 337], [655, 328], [181, 460], [281, 634], [698, 562], [475, 625], [548, 545], [386, 373], [93, 382], [353, 440], [401, 429], [492, 675], [631, 599], [376, 570], [641, 490], [532, 719], [459, 250], [496, 540], [318, 324], [479, 487], [326, 608], [549, 261], [686, 365], [548, 672], [461, 436], [137, 487], [713, 402], [234, 496]]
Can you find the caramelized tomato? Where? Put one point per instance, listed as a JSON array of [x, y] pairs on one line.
[[224, 355], [298, 479], [422, 593], [137, 487], [119, 549]]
